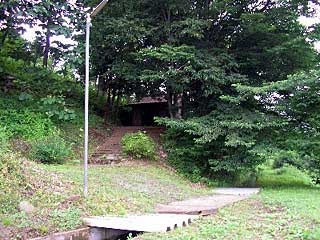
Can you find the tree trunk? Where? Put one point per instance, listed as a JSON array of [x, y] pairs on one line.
[[107, 107], [170, 108], [178, 104], [113, 97], [47, 47], [170, 39], [98, 85], [116, 112]]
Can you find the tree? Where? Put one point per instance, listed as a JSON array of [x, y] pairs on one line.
[[213, 60], [12, 14], [55, 18], [168, 69]]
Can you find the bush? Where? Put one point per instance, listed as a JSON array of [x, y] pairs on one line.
[[50, 150], [286, 176], [25, 124], [139, 146], [302, 153], [283, 157], [55, 108]]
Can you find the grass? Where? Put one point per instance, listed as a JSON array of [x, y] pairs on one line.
[[287, 212], [133, 188], [291, 211], [278, 212], [274, 214], [56, 192]]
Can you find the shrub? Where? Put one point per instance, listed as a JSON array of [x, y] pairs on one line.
[[25, 124], [283, 157], [139, 145], [50, 150], [313, 167], [55, 108]]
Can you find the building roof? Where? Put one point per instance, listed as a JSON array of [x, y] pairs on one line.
[[149, 100]]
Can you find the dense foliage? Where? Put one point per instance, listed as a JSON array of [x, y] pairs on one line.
[[25, 124], [240, 77], [224, 67]]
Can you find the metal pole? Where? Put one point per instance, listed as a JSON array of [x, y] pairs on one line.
[[86, 97], [86, 110], [98, 8]]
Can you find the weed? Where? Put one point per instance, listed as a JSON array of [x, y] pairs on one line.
[[66, 219], [43, 229], [6, 221]]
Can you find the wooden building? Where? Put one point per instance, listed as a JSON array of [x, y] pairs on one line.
[[144, 111]]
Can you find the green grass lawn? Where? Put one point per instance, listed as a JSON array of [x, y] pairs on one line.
[[131, 188], [288, 212], [279, 213], [56, 192]]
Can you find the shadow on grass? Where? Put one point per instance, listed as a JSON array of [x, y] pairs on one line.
[[285, 177]]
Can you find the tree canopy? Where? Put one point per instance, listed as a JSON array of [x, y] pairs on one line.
[[239, 76]]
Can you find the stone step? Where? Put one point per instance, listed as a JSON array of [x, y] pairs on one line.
[[105, 150], [112, 144]]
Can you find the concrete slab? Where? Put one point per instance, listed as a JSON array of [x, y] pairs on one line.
[[189, 210], [171, 216], [105, 233], [202, 205], [78, 234], [146, 223], [237, 191]]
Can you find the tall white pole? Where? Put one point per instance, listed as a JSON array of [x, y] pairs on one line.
[[86, 97], [86, 110]]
